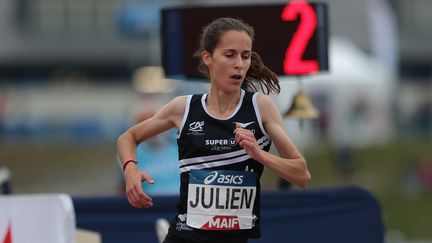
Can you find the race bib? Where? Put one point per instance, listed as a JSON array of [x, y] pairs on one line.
[[221, 199]]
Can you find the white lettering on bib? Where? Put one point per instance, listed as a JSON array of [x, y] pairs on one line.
[[221, 200]]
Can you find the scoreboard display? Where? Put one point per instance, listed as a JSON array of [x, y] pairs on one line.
[[292, 39]]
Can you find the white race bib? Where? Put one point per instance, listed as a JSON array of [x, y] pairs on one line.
[[221, 199]]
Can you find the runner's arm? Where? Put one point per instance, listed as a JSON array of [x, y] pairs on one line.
[[167, 117], [290, 165]]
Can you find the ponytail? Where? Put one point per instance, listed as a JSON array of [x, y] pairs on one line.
[[260, 74]]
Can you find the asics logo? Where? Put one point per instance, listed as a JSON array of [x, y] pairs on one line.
[[196, 126], [223, 179], [210, 178]]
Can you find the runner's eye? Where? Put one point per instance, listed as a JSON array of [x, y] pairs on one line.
[[246, 56]]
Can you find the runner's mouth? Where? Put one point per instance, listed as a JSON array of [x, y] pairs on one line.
[[236, 76]]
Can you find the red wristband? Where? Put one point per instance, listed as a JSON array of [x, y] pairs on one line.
[[127, 162]]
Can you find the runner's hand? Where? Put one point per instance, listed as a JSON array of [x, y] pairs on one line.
[[246, 139], [135, 194]]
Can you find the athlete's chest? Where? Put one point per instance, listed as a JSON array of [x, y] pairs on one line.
[[206, 134]]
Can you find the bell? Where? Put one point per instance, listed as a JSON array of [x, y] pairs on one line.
[[302, 107]]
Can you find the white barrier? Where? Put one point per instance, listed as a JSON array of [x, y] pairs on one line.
[[37, 219]]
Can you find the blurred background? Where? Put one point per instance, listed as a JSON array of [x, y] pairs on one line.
[[71, 83]]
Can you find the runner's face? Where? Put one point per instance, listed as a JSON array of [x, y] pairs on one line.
[[230, 60]]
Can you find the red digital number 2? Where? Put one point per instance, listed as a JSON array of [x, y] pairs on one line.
[[293, 62]]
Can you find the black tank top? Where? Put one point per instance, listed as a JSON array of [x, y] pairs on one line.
[[219, 188]]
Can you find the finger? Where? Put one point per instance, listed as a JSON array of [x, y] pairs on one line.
[[139, 193], [244, 134], [247, 144], [136, 195], [238, 134], [142, 199], [145, 197], [237, 127], [145, 201], [132, 198], [147, 177], [243, 131], [133, 203]]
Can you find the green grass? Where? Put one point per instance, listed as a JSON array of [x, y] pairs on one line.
[[381, 170]]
